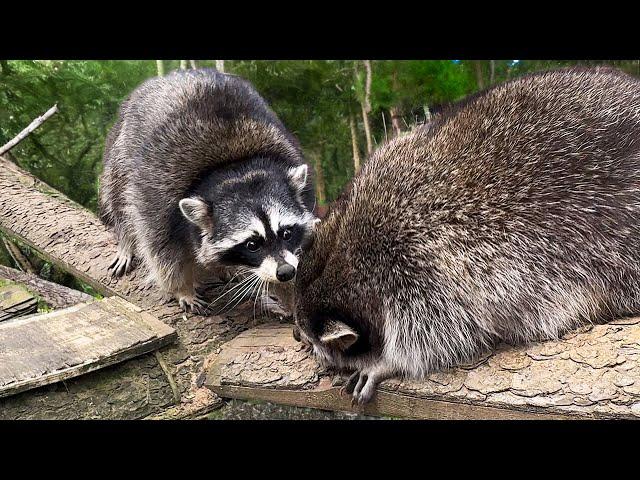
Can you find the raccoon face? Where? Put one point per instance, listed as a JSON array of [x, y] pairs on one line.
[[253, 218]]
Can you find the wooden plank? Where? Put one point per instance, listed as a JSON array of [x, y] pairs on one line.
[[43, 349], [16, 301], [592, 373]]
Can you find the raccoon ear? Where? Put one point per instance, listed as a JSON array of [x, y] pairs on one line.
[[197, 212], [298, 176], [338, 335]]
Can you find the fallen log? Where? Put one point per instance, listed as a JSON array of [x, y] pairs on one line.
[[592, 373], [72, 238], [54, 295]]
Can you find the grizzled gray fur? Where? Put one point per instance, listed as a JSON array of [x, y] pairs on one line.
[[199, 172], [514, 216]]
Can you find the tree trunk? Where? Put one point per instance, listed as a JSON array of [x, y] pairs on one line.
[[354, 144], [366, 104], [193, 63], [183, 64], [492, 64], [394, 111], [6, 70], [477, 65], [220, 66], [160, 66], [320, 186]]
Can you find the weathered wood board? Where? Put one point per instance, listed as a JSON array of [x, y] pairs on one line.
[[43, 349], [594, 373], [16, 301]]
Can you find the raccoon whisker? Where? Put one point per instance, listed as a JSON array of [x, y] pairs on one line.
[[247, 294], [235, 288], [263, 306], [243, 293], [258, 292]]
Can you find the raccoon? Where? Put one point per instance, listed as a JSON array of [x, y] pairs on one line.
[[513, 217], [200, 172]]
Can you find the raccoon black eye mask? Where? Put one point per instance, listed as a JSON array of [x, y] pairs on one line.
[[513, 217], [196, 165]]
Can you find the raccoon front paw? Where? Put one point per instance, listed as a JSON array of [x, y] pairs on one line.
[[361, 386], [193, 303], [122, 263]]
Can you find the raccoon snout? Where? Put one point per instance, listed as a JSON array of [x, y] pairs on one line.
[[285, 272]]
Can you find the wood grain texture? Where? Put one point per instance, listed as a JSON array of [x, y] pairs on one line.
[[73, 238], [54, 295], [41, 349], [16, 301], [592, 373]]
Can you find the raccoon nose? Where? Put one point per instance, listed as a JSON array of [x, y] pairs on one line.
[[285, 272]]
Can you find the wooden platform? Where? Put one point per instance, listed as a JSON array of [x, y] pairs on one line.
[[590, 374], [43, 349]]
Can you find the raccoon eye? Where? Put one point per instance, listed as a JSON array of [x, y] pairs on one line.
[[253, 245], [286, 234]]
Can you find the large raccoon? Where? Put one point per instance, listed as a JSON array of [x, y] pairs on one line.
[[514, 216], [199, 171]]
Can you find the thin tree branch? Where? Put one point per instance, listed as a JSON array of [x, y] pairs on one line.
[[32, 126]]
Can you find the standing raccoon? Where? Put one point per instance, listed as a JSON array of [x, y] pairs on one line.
[[514, 216], [199, 171]]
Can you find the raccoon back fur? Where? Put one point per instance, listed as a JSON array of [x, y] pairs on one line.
[[514, 216], [196, 168]]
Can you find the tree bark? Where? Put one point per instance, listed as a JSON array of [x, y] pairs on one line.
[[492, 64], [593, 372], [183, 64], [57, 296], [220, 66], [193, 63], [354, 144], [160, 67]]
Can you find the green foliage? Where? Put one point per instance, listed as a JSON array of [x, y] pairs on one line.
[[314, 98], [66, 151]]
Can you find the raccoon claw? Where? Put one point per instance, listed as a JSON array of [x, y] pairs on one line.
[[361, 386], [121, 264], [194, 304]]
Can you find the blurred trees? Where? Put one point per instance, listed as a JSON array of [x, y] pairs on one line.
[[329, 105]]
